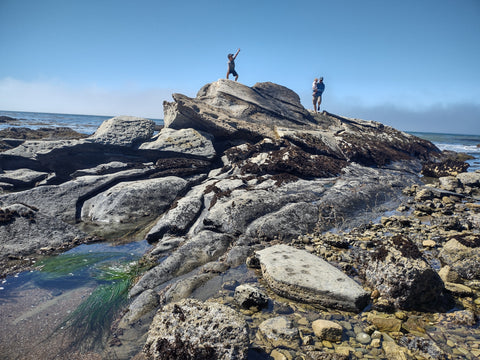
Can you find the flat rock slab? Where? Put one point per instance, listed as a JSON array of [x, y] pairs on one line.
[[299, 275]]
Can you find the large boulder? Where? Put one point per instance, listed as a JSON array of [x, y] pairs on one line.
[[124, 131], [195, 330], [403, 278], [299, 275]]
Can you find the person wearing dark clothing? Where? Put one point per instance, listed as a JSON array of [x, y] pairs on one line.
[[231, 65], [318, 88]]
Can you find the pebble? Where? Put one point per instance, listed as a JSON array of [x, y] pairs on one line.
[[363, 338]]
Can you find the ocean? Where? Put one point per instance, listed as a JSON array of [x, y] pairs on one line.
[[87, 124]]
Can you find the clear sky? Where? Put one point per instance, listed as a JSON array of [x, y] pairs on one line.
[[411, 64]]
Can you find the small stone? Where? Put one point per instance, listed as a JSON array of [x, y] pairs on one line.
[[277, 355], [400, 315], [327, 344], [363, 338], [375, 294], [249, 296], [429, 243], [376, 343], [327, 330]]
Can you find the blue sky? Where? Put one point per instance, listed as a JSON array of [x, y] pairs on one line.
[[411, 64]]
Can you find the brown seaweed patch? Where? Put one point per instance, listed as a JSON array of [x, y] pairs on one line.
[[406, 247]]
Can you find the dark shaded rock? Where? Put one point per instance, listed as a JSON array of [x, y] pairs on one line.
[[447, 167], [282, 157], [247, 296], [402, 276], [4, 119], [424, 346], [51, 133]]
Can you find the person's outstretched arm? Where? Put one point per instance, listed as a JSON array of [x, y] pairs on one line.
[[234, 56]]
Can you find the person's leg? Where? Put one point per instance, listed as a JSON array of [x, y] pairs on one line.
[[319, 102], [314, 103]]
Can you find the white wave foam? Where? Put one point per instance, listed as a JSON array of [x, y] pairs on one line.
[[459, 148]]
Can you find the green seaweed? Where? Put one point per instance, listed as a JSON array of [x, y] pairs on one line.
[[91, 320]]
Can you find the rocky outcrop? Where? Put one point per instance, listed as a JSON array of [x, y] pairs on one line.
[[295, 273], [236, 170], [229, 110], [193, 330]]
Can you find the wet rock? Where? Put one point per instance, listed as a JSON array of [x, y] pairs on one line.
[[458, 317], [185, 141], [124, 131], [4, 119], [399, 272], [278, 332], [384, 322], [424, 346], [293, 273], [194, 330], [363, 338], [327, 330], [183, 288], [143, 304], [204, 247], [320, 355], [248, 296], [53, 133]]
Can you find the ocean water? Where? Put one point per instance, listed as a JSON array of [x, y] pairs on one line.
[[469, 144], [87, 124]]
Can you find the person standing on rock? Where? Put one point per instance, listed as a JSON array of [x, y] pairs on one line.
[[318, 87], [231, 65]]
